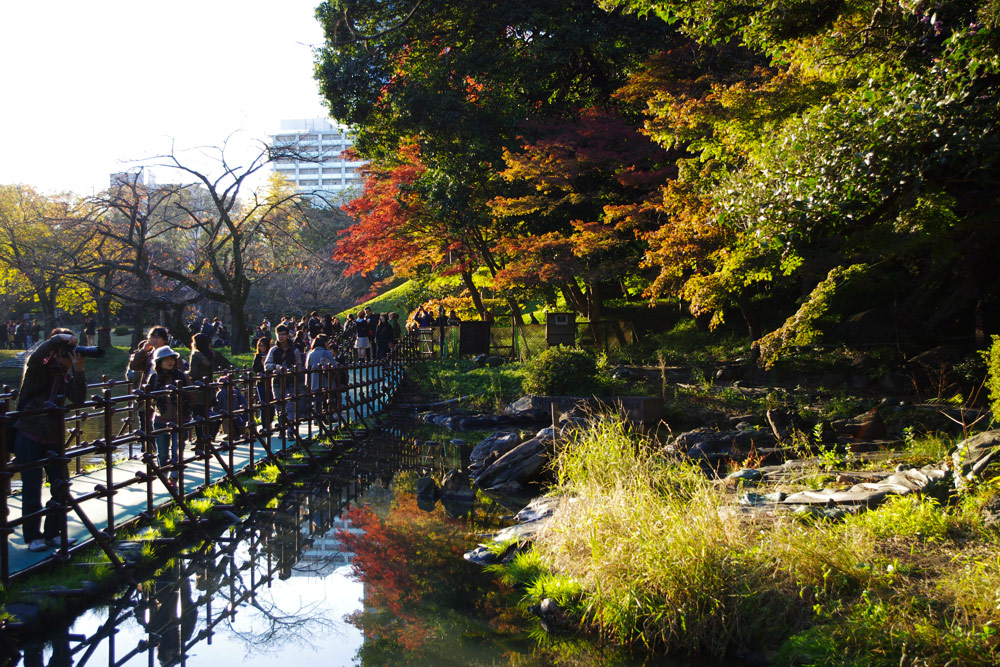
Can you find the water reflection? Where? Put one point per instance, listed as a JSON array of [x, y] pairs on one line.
[[349, 570]]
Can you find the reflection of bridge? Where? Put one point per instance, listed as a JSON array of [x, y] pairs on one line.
[[204, 591], [96, 504]]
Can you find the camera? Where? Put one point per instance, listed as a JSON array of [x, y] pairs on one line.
[[90, 352]]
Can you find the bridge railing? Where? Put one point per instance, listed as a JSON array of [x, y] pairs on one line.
[[254, 420]]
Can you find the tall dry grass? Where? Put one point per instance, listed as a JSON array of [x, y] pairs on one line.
[[664, 559]]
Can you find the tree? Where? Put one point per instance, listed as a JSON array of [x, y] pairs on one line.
[[33, 234], [397, 226], [587, 185], [133, 227], [235, 243], [832, 148], [459, 79]]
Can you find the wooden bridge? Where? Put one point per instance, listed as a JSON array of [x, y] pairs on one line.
[[124, 482]]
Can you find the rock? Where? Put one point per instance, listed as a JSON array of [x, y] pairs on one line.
[[735, 421], [727, 373], [929, 480], [746, 475], [546, 434], [872, 428], [625, 373], [571, 426], [539, 509], [971, 456], [521, 465], [573, 414], [705, 443], [751, 499], [427, 488], [551, 616], [476, 422], [456, 484], [991, 512], [500, 442], [784, 423]]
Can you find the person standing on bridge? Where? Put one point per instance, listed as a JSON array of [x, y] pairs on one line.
[[318, 361], [171, 409], [204, 362], [282, 358], [140, 364], [265, 399], [53, 376]]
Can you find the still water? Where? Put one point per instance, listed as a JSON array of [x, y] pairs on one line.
[[346, 570]]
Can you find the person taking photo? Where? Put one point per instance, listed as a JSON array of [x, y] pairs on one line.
[[53, 378]]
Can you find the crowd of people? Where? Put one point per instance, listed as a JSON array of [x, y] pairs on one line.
[[54, 375], [19, 334], [371, 335]]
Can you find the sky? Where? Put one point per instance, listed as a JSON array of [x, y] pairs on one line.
[[90, 88]]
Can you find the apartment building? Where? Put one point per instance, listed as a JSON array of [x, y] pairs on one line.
[[318, 167]]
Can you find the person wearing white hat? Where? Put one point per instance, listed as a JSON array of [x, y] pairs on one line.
[[171, 407]]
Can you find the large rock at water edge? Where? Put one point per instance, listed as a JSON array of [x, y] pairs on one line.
[[499, 443], [521, 466], [971, 456], [712, 445]]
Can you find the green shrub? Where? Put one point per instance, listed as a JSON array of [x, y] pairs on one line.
[[992, 358], [561, 370], [122, 330]]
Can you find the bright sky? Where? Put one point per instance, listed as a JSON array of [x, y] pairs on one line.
[[88, 86]]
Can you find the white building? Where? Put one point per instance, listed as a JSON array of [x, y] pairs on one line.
[[318, 167]]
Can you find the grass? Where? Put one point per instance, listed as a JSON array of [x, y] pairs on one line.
[[650, 552], [490, 388], [684, 344]]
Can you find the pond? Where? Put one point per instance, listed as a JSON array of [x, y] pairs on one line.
[[347, 569]]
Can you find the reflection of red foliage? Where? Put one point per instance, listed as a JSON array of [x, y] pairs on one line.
[[379, 560], [417, 585]]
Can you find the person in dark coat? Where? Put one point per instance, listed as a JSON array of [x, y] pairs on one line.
[[384, 336], [53, 376], [281, 358], [204, 362], [170, 408]]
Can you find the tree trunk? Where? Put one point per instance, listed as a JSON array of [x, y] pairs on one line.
[[477, 297], [576, 298], [178, 328], [103, 303], [515, 311], [594, 307], [239, 334], [750, 317], [138, 323], [47, 300]]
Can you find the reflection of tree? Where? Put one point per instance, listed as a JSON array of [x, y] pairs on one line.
[[282, 627], [274, 626], [420, 594]]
